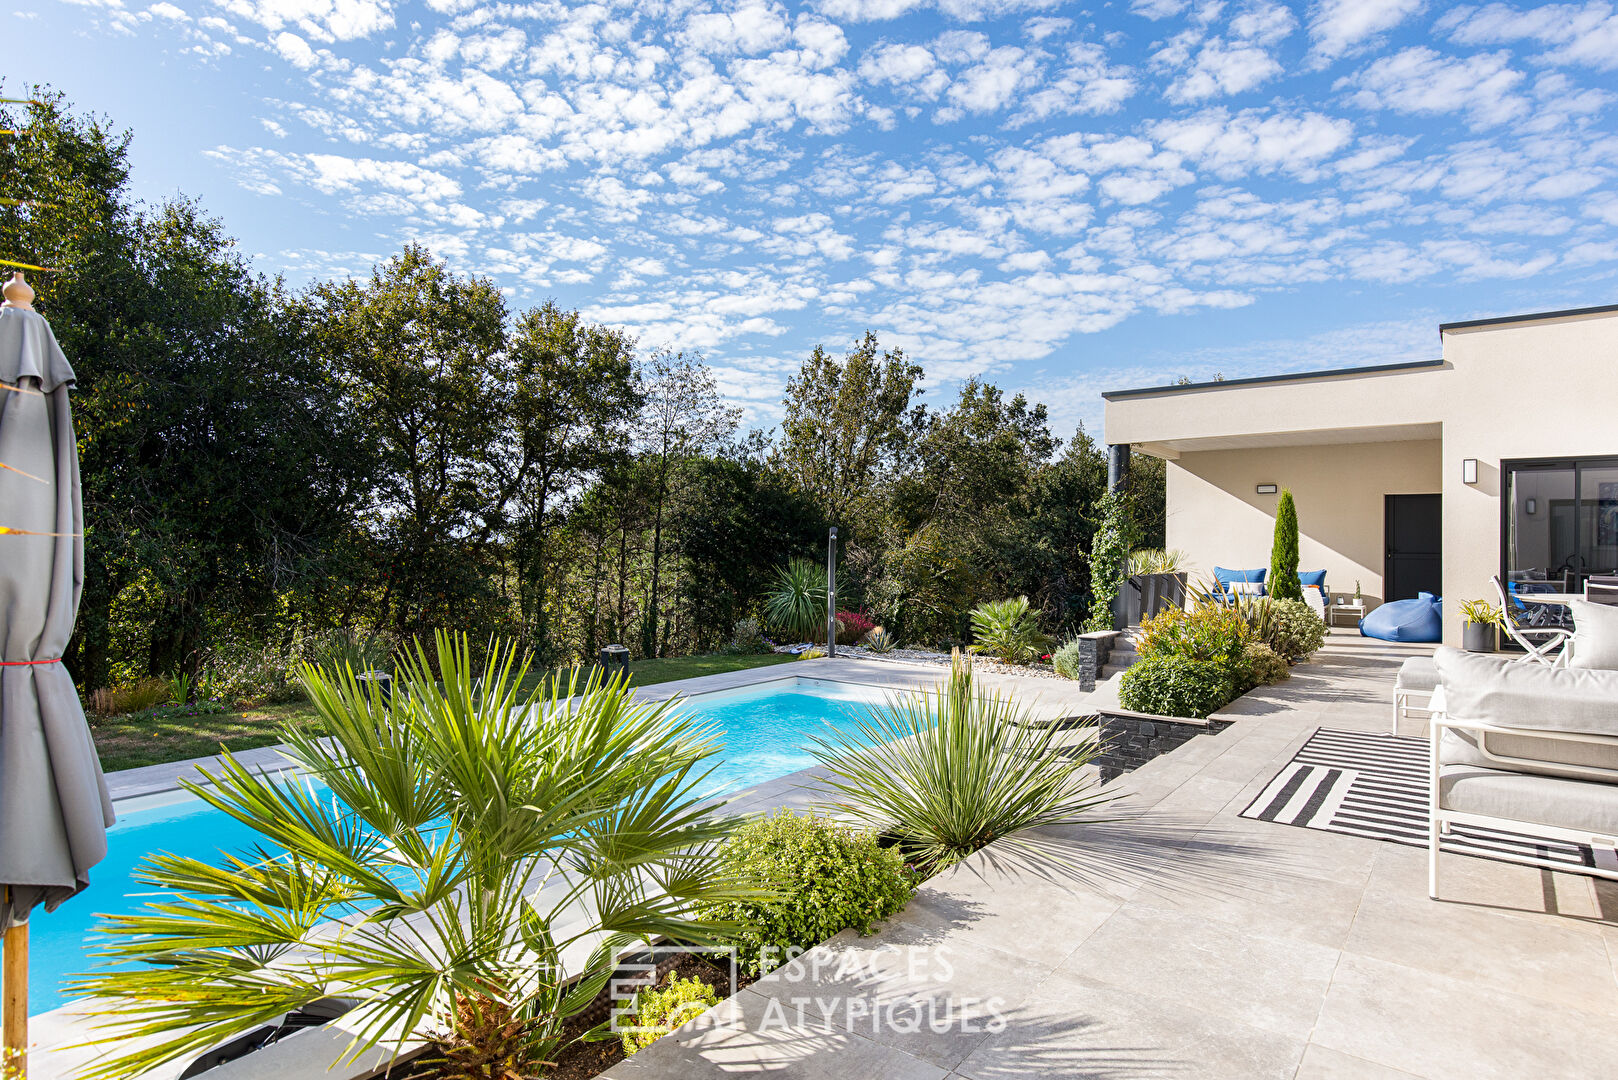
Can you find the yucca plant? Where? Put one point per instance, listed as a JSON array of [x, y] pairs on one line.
[[880, 641], [950, 771], [402, 869], [797, 603], [1156, 561], [1008, 629]]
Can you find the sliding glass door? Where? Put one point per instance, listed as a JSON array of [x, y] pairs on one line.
[[1561, 521]]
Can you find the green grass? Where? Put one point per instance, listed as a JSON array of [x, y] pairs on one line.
[[128, 742]]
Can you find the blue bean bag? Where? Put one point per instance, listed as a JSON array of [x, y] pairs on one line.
[[1420, 619]]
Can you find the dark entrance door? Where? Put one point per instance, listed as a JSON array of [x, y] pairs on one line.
[[1413, 528]]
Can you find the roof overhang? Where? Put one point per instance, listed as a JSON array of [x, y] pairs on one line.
[[1383, 433]]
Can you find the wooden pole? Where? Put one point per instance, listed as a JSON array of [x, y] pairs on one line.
[[14, 1011]]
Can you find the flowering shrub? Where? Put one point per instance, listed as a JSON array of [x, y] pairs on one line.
[[852, 626]]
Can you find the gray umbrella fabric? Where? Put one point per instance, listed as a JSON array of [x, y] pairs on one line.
[[54, 806]]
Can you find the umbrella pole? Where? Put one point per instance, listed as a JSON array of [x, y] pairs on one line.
[[14, 1010]]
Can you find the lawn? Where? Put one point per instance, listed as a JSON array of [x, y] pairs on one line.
[[128, 742]]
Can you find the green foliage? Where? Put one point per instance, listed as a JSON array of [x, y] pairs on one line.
[[880, 641], [797, 604], [846, 424], [951, 771], [1008, 629], [445, 803], [814, 878], [1294, 630], [1282, 582], [1155, 561], [1262, 666], [1210, 633], [1481, 613], [1109, 553], [130, 698], [1173, 685], [658, 1010], [747, 639], [1066, 659]]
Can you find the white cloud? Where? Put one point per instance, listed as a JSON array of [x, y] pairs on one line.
[[1087, 83], [1574, 33], [1341, 27], [322, 20], [989, 85], [1421, 81], [1254, 141], [294, 50]]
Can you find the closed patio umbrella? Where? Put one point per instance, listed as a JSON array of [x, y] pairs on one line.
[[54, 807]]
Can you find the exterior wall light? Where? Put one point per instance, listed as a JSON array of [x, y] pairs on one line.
[[1267, 489], [1469, 470], [1530, 507]]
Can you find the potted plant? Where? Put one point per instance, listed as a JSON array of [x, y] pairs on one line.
[[1481, 618], [1157, 582]]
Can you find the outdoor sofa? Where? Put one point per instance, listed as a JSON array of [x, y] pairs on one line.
[[1525, 748]]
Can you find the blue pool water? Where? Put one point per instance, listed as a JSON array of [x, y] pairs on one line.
[[765, 732]]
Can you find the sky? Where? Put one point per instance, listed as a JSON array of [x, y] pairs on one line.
[[1060, 198]]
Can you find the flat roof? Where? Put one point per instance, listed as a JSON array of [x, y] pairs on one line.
[[1330, 373], [1605, 309]]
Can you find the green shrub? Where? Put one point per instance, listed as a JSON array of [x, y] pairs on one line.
[[659, 1010], [1109, 555], [1263, 666], [1294, 630], [819, 878], [746, 639], [1208, 632], [880, 641], [131, 697], [949, 772], [1066, 659], [797, 603], [1177, 686], [1008, 629], [1282, 581]]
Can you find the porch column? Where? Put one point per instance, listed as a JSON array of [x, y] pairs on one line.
[[1118, 480]]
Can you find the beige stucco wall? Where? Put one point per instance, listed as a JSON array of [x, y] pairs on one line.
[[1539, 389], [1217, 518]]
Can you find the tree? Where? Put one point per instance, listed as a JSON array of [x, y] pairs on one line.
[[421, 354], [217, 468], [1283, 577], [682, 417], [847, 424], [574, 395]]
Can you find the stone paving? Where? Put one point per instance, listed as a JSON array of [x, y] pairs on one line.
[[1180, 940]]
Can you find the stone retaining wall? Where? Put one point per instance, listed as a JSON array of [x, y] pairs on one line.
[[1131, 739]]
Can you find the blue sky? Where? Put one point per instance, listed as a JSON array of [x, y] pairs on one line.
[[1064, 198]]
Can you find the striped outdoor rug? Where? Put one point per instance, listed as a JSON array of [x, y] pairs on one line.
[[1374, 785]]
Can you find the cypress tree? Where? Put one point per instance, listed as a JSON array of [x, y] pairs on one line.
[[1283, 577]]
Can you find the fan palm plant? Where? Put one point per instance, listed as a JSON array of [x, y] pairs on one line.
[[950, 771], [797, 603], [1008, 629], [403, 869]]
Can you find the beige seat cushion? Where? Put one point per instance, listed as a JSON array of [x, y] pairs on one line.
[[1590, 806], [1417, 673]]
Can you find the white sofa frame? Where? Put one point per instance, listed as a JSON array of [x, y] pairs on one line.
[[1440, 820], [1406, 707]]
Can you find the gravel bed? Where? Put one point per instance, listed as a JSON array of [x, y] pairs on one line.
[[931, 656]]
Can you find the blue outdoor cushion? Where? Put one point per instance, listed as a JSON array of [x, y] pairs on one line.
[[1420, 619], [1313, 577], [1225, 577]]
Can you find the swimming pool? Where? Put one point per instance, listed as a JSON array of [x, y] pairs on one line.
[[765, 730]]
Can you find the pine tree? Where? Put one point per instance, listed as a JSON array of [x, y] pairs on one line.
[[1283, 581]]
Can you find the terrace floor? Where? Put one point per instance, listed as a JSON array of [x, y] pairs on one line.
[[1179, 939]]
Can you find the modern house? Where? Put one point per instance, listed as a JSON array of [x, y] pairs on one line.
[[1432, 475]]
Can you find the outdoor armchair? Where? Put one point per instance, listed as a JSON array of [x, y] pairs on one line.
[[1541, 642]]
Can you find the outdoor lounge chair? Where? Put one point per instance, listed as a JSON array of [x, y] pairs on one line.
[[1524, 748], [1549, 638]]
